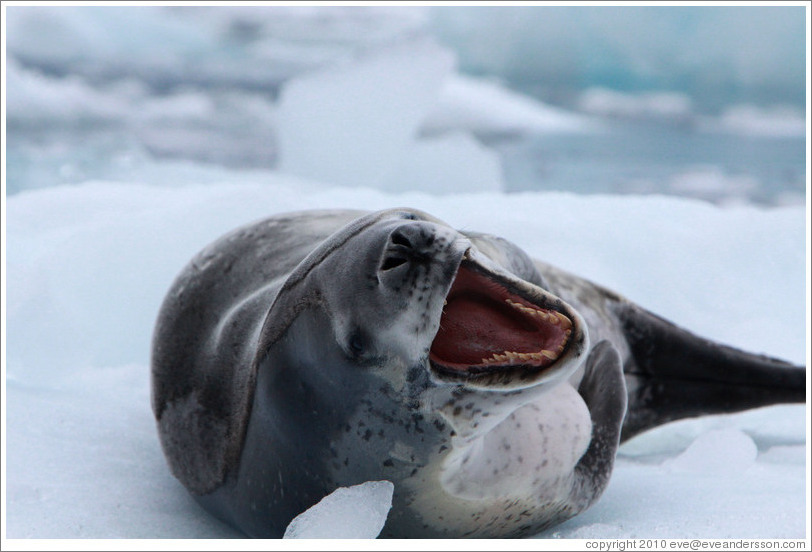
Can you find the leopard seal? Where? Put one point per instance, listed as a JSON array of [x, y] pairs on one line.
[[322, 349]]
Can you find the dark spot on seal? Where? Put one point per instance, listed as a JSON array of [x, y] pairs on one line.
[[358, 343]]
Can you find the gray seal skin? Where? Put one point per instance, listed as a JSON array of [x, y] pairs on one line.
[[321, 349]]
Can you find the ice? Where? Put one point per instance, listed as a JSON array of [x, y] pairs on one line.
[[89, 264], [780, 121], [445, 164], [691, 50], [774, 121], [664, 106], [713, 184], [35, 98], [357, 512], [357, 124], [708, 54], [353, 125], [69, 35], [718, 451], [488, 109], [216, 45], [232, 128]]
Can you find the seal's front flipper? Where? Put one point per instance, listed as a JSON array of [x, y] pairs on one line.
[[674, 374], [604, 391]]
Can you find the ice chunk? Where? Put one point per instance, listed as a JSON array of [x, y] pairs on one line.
[[662, 106], [351, 125], [717, 451], [450, 163], [486, 109], [357, 512], [778, 121]]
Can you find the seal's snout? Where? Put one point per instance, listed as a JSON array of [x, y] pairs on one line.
[[407, 245]]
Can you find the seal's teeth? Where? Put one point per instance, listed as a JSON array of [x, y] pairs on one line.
[[551, 317], [565, 322], [517, 306], [513, 356]]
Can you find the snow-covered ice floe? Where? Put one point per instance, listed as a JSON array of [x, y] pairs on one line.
[[88, 266]]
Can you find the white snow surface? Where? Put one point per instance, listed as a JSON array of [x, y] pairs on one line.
[[88, 266], [357, 512]]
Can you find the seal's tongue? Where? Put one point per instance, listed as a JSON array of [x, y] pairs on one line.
[[484, 327]]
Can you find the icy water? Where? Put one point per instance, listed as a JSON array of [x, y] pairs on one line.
[[625, 158], [648, 159], [116, 94]]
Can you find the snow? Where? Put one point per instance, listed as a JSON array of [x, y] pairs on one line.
[[88, 266], [357, 512], [389, 123], [720, 451]]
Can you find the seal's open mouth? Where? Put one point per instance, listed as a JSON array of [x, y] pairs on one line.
[[486, 328]]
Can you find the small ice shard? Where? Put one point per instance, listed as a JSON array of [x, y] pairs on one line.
[[357, 512], [717, 451]]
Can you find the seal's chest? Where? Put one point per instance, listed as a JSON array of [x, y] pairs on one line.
[[531, 453]]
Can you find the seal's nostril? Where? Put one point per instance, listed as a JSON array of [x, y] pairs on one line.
[[407, 244], [398, 238], [392, 262]]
